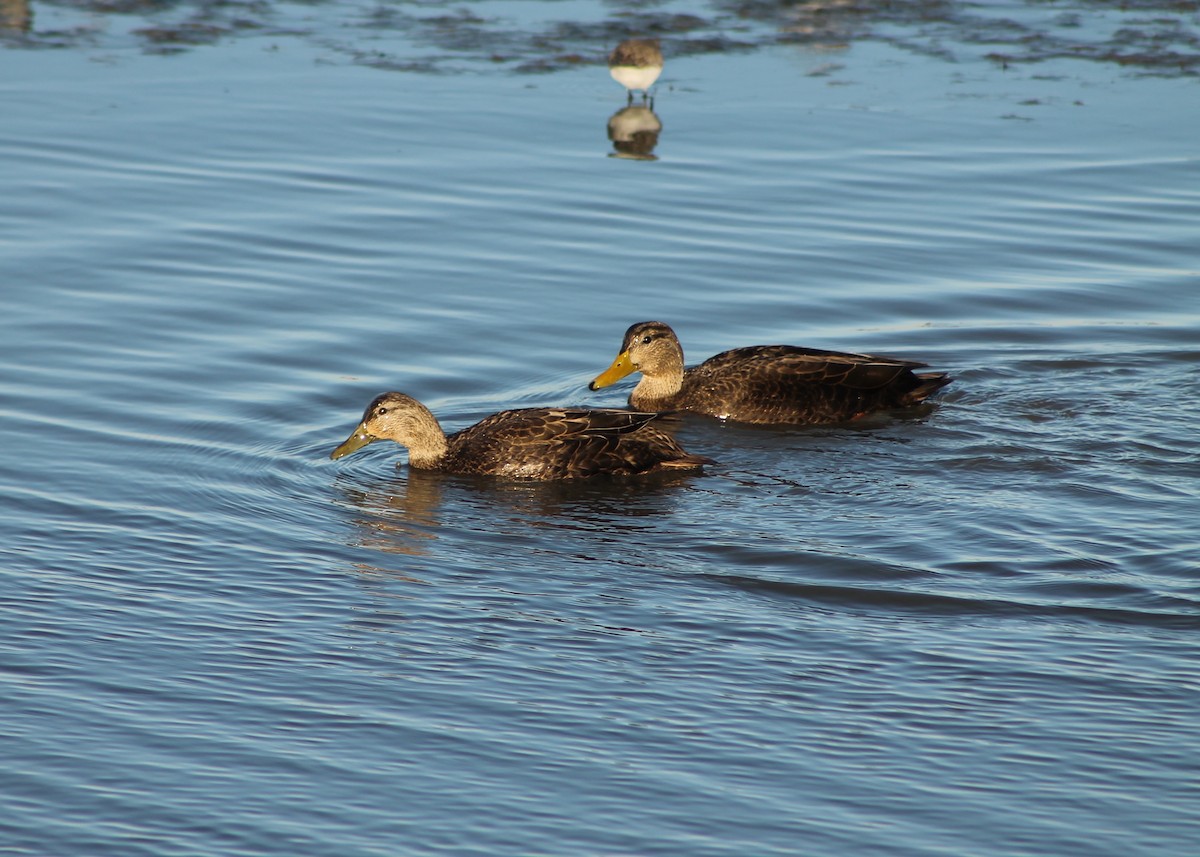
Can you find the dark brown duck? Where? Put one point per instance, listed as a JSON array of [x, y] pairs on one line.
[[765, 383], [529, 443]]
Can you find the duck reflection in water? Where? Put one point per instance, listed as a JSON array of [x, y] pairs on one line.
[[395, 515], [403, 514], [634, 132], [636, 64]]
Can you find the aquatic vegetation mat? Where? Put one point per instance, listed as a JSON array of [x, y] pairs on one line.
[[1154, 37]]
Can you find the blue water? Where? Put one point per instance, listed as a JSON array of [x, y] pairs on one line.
[[967, 630]]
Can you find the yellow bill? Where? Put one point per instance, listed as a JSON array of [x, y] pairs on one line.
[[620, 367], [355, 442]]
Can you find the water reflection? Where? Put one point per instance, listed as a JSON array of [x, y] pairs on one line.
[[634, 132], [405, 514], [398, 515], [591, 504]]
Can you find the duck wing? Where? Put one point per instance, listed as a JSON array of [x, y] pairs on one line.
[[784, 383], [567, 443]]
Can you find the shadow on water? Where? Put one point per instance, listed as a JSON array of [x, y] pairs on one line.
[[1171, 613], [1158, 37]]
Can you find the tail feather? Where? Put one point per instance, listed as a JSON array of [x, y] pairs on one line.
[[931, 382]]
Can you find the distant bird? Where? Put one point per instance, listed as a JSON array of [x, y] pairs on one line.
[[636, 64], [765, 383], [16, 15], [529, 443]]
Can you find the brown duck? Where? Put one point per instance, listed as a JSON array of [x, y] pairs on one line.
[[529, 443], [765, 383]]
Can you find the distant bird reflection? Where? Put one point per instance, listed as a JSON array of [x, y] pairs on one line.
[[636, 64], [634, 132]]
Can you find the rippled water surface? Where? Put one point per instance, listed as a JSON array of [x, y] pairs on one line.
[[972, 628]]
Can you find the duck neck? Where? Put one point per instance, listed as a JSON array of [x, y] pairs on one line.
[[426, 442], [653, 390]]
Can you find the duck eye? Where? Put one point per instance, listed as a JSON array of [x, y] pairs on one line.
[[380, 411], [646, 340]]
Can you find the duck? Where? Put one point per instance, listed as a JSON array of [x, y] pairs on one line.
[[781, 384], [636, 64], [526, 443]]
